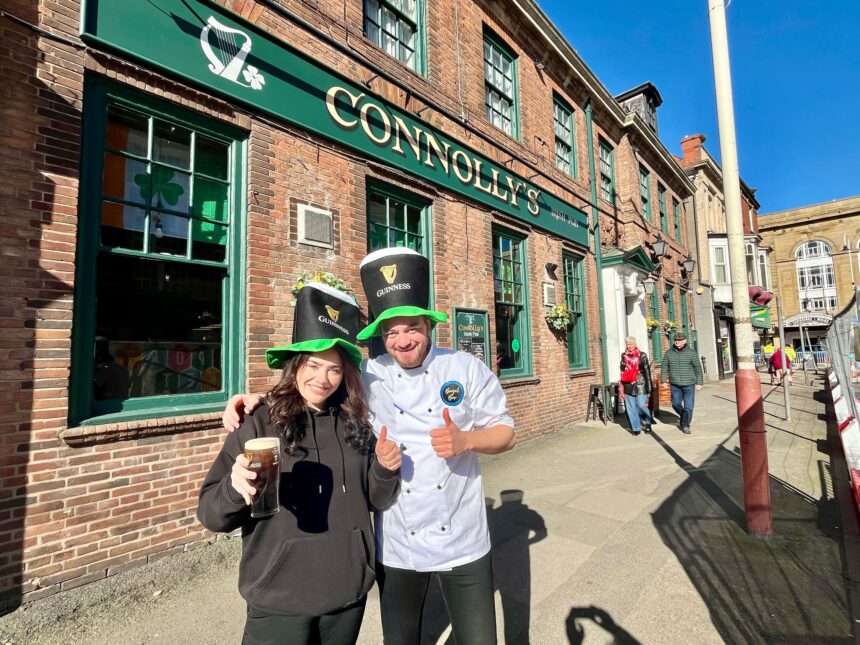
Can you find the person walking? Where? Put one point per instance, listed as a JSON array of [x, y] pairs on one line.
[[635, 387], [779, 360], [306, 570], [682, 370]]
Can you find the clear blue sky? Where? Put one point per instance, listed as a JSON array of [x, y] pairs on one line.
[[795, 77]]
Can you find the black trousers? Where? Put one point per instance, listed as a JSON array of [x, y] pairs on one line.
[[468, 594], [337, 628]]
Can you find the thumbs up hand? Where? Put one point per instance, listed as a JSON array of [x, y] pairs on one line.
[[449, 440], [387, 452]]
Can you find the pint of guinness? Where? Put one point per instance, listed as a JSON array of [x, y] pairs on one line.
[[264, 454]]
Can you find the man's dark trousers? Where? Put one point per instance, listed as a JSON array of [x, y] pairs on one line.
[[685, 394]]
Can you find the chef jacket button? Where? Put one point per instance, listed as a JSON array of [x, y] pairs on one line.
[[400, 376], [444, 527], [411, 532], [408, 490], [401, 412], [439, 486], [403, 446], [429, 409], [426, 371]]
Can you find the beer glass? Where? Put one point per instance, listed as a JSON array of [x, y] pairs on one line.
[[264, 453]]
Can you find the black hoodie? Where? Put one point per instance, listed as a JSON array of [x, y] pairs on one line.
[[316, 555]]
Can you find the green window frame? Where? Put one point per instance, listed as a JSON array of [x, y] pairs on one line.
[[397, 218], [661, 201], [656, 347], [565, 136], [685, 320], [501, 88], [574, 298], [511, 297], [398, 28], [645, 192], [168, 202], [676, 216], [607, 171], [670, 307]]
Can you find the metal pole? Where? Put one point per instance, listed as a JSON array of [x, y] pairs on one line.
[[750, 411], [783, 360], [850, 261], [802, 354]]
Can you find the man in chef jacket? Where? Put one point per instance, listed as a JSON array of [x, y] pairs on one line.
[[443, 408]]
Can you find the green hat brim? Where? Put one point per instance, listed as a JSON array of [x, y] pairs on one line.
[[395, 312], [276, 356]]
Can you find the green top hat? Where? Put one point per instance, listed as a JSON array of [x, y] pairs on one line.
[[396, 282], [325, 317]]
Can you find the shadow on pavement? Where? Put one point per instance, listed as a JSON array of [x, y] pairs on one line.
[[514, 528], [789, 588], [576, 631]]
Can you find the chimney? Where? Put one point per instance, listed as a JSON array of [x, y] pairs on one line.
[[691, 148]]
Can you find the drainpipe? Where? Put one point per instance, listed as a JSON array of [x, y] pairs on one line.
[[595, 218]]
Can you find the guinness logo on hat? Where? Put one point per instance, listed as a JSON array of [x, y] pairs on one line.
[[325, 317], [389, 272], [396, 282]]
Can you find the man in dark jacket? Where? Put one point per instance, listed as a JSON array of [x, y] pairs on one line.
[[683, 371], [636, 386]]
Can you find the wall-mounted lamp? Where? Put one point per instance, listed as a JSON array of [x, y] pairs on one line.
[[685, 283], [689, 265], [648, 284], [660, 248], [551, 267], [159, 228]]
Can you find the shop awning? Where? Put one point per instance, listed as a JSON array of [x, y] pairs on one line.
[[760, 316]]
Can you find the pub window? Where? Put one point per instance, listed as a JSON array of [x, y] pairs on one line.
[[676, 216], [577, 334], [513, 353], [157, 303], [661, 204], [670, 303], [565, 146], [645, 192], [396, 218], [607, 171], [397, 26], [500, 85]]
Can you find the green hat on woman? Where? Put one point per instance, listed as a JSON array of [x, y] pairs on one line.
[[325, 317]]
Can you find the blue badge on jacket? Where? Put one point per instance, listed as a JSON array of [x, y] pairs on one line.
[[452, 393]]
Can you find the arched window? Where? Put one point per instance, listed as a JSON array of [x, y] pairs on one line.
[[815, 278]]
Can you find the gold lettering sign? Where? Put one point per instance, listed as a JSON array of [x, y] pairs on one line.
[[389, 272], [332, 313]]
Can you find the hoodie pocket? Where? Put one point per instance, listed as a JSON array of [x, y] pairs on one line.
[[316, 575]]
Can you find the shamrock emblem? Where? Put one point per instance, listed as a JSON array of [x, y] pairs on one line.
[[252, 75]]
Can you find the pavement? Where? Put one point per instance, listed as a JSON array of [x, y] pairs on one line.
[[598, 537]]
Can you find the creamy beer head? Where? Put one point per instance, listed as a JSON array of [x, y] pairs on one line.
[[261, 443]]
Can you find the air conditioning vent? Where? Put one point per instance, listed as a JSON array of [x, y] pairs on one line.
[[548, 294], [315, 226]]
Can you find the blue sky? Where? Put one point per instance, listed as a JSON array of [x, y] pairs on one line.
[[795, 76]]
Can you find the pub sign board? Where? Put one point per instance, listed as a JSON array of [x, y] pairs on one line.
[[471, 333]]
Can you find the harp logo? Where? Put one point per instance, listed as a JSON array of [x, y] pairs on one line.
[[226, 48], [389, 272], [334, 314]]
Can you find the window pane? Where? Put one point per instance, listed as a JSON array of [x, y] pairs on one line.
[[210, 199], [211, 157], [169, 189], [209, 241], [378, 237], [168, 234], [377, 209], [147, 351], [125, 178], [171, 144], [126, 130], [398, 211], [507, 317], [122, 226]]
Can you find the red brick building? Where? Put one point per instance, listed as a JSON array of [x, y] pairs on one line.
[[170, 169]]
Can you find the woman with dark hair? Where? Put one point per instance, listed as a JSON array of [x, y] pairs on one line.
[[306, 570]]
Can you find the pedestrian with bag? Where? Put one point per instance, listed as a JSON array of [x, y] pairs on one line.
[[682, 370], [635, 387]]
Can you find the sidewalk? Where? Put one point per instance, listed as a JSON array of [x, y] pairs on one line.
[[598, 537]]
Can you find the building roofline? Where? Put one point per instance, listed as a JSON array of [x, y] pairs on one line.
[[644, 88], [836, 203]]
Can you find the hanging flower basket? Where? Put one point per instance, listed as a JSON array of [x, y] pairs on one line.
[[324, 277], [559, 317], [653, 324], [670, 326]]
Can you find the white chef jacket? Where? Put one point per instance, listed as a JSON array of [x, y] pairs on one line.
[[439, 520]]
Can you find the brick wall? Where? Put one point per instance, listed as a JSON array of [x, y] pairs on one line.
[[80, 504]]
